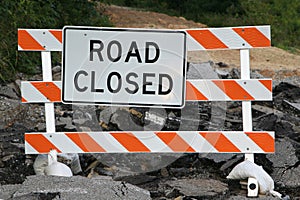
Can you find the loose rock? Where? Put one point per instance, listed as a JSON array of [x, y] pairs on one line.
[[197, 188], [286, 169], [76, 188]]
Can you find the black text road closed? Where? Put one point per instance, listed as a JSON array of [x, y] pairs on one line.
[[134, 67]]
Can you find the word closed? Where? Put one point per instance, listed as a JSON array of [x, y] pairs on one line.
[[132, 80]]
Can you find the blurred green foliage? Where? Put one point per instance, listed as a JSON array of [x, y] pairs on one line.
[[39, 14], [282, 15]]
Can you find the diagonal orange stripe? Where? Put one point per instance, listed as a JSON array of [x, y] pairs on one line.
[[207, 39], [57, 34], [85, 142], [253, 36], [175, 142], [263, 140], [192, 93], [27, 42], [233, 90], [40, 143], [267, 84], [130, 142], [49, 90], [219, 141], [24, 100]]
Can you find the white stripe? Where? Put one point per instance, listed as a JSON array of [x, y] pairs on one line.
[[216, 93], [230, 38], [63, 142], [265, 30], [58, 84], [242, 142], [108, 142], [271, 133], [152, 141], [29, 149], [256, 89], [210, 90], [31, 94], [19, 48], [196, 141], [45, 39]]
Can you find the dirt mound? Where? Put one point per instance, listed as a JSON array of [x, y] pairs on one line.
[[132, 18], [271, 62]]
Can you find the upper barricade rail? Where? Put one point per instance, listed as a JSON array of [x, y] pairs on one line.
[[197, 39]]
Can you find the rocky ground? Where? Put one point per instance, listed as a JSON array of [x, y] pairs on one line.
[[158, 176]]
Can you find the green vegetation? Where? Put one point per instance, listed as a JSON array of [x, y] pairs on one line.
[[282, 15], [39, 14]]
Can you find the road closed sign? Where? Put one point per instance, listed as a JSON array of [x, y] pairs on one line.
[[134, 67]]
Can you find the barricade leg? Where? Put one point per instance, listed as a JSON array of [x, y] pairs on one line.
[[247, 118], [49, 107]]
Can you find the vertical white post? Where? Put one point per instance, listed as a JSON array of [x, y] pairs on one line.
[[246, 105], [49, 107]]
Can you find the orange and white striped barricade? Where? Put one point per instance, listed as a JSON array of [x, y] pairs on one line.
[[244, 89]]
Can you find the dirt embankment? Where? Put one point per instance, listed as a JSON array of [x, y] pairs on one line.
[[271, 62]]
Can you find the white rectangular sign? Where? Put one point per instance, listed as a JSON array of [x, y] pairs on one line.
[[134, 67]]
